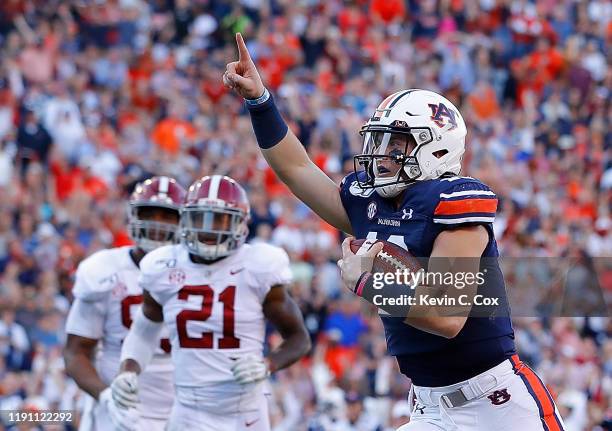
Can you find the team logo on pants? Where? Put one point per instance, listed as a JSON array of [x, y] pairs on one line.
[[499, 397]]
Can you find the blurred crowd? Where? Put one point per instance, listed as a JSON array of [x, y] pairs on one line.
[[96, 95]]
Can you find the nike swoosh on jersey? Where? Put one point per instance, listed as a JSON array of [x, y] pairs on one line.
[[236, 271], [248, 424]]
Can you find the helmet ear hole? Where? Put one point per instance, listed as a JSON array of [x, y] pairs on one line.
[[440, 153]]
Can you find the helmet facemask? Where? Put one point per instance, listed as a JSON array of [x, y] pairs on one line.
[[389, 157], [211, 231], [147, 229]]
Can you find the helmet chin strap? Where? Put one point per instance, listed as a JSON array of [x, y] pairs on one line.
[[392, 190]]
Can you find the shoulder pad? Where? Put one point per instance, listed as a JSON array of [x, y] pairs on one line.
[[348, 177], [156, 270], [159, 260], [350, 186], [268, 264], [97, 275], [262, 257]]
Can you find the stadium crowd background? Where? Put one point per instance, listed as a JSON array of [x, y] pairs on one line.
[[97, 95]]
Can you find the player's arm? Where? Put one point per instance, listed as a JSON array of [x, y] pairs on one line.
[[280, 309], [454, 251], [137, 351], [281, 148], [143, 337], [467, 244], [84, 327], [79, 355]]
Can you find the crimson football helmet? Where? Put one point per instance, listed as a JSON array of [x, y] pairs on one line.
[[156, 192], [214, 217]]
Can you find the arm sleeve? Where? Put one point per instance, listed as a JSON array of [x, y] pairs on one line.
[[86, 319], [141, 340]]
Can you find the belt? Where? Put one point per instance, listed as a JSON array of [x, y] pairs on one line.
[[472, 389], [456, 398]]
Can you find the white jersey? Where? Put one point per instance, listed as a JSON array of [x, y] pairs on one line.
[[214, 312], [107, 296]]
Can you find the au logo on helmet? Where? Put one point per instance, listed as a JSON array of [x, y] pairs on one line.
[[439, 112]]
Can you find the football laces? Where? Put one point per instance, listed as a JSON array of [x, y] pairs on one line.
[[392, 260]]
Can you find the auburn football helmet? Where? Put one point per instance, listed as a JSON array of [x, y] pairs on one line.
[[214, 217], [413, 135], [145, 230]]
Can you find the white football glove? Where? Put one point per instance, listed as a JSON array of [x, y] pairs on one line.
[[250, 369], [125, 390], [122, 419]]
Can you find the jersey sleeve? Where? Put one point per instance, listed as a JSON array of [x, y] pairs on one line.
[[345, 195], [154, 274], [465, 202], [355, 199], [86, 319], [268, 267], [94, 278]]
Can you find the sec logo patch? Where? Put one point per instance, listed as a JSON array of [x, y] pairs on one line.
[[371, 210], [177, 276]]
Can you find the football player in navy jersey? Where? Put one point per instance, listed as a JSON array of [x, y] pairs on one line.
[[465, 371]]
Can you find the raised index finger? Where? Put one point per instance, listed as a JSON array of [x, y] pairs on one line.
[[243, 52]]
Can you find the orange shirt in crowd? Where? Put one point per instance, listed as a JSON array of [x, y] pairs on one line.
[[121, 238], [95, 187], [484, 103], [339, 358], [169, 133], [352, 18], [388, 10], [65, 180]]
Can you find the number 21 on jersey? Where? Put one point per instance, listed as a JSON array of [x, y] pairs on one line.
[[206, 339]]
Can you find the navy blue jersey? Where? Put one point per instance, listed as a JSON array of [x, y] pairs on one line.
[[428, 208]]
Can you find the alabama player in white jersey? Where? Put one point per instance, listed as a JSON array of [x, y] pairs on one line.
[[214, 293], [107, 294]]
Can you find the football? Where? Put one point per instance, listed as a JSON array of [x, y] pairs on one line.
[[390, 259]]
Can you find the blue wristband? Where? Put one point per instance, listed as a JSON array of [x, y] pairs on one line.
[[268, 125]]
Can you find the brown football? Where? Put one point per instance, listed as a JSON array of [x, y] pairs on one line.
[[391, 258]]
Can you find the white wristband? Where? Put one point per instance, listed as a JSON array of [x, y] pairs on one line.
[[261, 99]]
